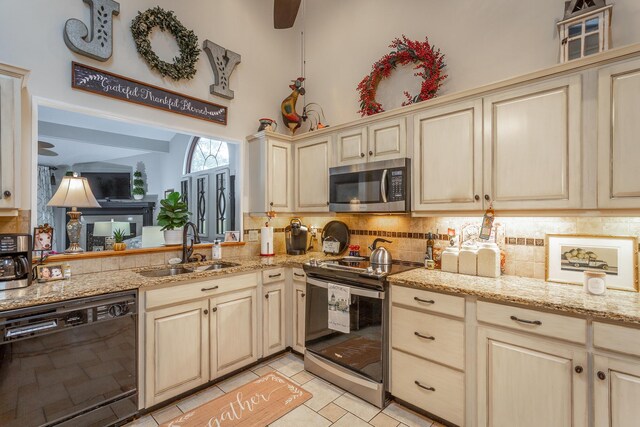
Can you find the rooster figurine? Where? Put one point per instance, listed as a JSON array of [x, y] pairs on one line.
[[291, 119]]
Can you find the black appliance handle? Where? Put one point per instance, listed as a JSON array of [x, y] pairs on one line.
[[23, 266]]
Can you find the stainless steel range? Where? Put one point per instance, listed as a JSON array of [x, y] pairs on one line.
[[354, 355]]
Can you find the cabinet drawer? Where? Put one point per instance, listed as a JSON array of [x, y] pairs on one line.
[[440, 339], [191, 291], [429, 301], [533, 321], [410, 378], [274, 275], [616, 338], [299, 275]]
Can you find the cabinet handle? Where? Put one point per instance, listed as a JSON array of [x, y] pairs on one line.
[[206, 311], [486, 197], [298, 275], [213, 288], [7, 193], [578, 369], [529, 322], [271, 276], [426, 301], [423, 386], [371, 153], [361, 154], [601, 376], [476, 197], [266, 296], [426, 337]]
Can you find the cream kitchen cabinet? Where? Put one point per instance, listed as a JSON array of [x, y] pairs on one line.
[[530, 382], [312, 161], [298, 309], [233, 331], [176, 350], [384, 140], [618, 130], [270, 160], [447, 158], [532, 146], [10, 135], [351, 146], [273, 312], [616, 391]]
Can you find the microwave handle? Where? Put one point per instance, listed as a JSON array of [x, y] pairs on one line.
[[383, 185]]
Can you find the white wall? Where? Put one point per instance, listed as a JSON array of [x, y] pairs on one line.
[[484, 42]]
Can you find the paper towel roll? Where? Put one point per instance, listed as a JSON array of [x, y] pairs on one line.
[[266, 241]]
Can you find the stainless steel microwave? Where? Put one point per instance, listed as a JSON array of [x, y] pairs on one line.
[[382, 187]]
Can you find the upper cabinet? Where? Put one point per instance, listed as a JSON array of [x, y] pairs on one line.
[[383, 140], [618, 130], [10, 135], [532, 146], [351, 146], [447, 158], [271, 178], [311, 159]]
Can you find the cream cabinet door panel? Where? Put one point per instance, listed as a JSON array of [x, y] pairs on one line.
[[176, 348], [388, 140], [312, 162], [10, 114], [298, 318], [233, 331], [618, 130], [616, 392], [447, 158], [530, 382], [279, 175], [533, 146], [351, 147], [273, 318]]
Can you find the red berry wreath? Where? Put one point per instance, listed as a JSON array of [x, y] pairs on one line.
[[427, 59]]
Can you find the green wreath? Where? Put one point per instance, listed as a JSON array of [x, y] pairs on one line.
[[183, 66]]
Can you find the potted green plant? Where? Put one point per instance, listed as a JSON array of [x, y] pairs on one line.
[[118, 236], [138, 186], [173, 216]]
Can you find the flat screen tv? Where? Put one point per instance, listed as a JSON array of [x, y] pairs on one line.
[[109, 185]]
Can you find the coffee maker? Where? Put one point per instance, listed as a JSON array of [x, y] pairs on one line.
[[15, 261], [296, 237]]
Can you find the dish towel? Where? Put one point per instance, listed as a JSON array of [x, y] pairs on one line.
[[339, 298]]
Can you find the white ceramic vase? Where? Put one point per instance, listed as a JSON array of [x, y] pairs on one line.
[[138, 196], [173, 237]]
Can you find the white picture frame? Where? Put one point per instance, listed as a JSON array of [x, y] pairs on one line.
[[232, 236], [568, 256]]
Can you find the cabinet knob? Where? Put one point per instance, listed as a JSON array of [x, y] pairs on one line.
[[486, 197], [476, 197], [327, 203], [7, 193], [271, 204], [214, 309], [302, 295], [371, 153], [361, 154], [266, 296], [601, 376], [578, 369], [206, 312]]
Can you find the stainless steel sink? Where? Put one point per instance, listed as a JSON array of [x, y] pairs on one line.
[[218, 265], [164, 272]]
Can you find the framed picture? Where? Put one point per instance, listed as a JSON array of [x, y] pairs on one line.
[[569, 256], [43, 238], [231, 236], [167, 192], [49, 272]]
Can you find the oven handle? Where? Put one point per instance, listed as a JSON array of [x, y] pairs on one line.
[[354, 291], [383, 185]]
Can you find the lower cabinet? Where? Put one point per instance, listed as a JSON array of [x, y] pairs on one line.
[[299, 301], [616, 392], [530, 382], [176, 350], [233, 331], [273, 318]]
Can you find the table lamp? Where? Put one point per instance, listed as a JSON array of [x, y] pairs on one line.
[[74, 192]]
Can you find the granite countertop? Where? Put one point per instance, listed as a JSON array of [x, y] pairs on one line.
[[84, 285], [571, 299]]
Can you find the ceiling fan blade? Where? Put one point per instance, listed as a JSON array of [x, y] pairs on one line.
[[42, 144], [284, 13], [46, 152]]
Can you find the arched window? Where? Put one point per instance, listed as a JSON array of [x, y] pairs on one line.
[[206, 153]]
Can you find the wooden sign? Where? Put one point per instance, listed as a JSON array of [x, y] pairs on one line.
[[93, 80]]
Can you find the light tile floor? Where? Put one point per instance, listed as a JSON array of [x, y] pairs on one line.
[[329, 406]]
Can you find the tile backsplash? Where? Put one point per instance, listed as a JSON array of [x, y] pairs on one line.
[[524, 235], [16, 224]]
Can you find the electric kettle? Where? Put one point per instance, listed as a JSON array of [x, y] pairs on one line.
[[379, 256]]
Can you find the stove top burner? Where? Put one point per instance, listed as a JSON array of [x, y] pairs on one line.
[[361, 267]]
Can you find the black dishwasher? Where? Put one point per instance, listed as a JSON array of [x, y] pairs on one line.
[[72, 363]]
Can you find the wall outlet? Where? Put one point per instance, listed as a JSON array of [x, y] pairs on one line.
[[253, 236]]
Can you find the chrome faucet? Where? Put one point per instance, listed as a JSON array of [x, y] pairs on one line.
[[187, 250]]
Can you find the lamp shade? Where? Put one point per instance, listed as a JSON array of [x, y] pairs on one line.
[[106, 228], [74, 192]]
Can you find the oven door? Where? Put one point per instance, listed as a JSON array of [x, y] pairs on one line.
[[361, 350]]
